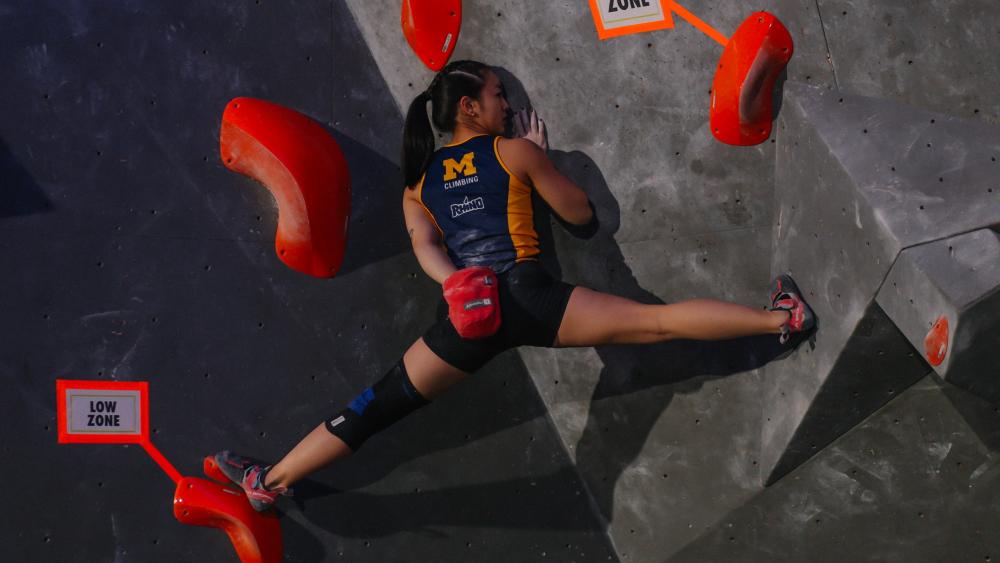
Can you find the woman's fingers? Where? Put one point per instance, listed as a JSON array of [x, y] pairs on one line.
[[528, 125], [538, 131]]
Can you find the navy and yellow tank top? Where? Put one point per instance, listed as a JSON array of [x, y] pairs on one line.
[[482, 210]]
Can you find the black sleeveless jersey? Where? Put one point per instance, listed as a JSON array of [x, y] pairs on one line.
[[482, 211]]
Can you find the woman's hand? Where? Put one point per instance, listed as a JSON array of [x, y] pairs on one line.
[[531, 127]]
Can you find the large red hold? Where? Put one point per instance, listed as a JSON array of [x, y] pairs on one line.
[[256, 536], [431, 28], [306, 172], [742, 91]]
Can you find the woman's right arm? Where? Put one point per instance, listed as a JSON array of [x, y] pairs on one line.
[[426, 239], [529, 162]]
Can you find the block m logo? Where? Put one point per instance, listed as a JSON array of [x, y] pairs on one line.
[[452, 168]]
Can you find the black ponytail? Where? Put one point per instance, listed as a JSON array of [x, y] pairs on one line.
[[455, 81], [418, 140]]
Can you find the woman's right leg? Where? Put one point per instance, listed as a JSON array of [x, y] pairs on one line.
[[593, 318], [428, 373]]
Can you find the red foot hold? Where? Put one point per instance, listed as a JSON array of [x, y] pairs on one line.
[[256, 536], [936, 342], [212, 471], [304, 168], [742, 91], [431, 28]]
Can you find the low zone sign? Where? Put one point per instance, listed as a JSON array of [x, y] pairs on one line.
[[102, 412]]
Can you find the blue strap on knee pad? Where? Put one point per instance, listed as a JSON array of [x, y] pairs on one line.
[[376, 408], [360, 403]]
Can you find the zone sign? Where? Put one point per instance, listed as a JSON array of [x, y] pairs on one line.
[[622, 17], [102, 411]]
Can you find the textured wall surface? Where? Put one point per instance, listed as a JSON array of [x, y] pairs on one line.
[[670, 438], [916, 482], [130, 253]]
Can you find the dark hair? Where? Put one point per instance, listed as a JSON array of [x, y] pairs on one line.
[[452, 83]]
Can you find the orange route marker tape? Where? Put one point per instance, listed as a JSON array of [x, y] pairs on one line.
[[614, 18], [698, 23]]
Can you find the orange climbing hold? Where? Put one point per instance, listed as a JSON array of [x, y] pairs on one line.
[[303, 167], [742, 92], [256, 536], [936, 342], [431, 28], [212, 471]]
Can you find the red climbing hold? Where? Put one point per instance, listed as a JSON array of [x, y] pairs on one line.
[[256, 536], [742, 91], [431, 28], [303, 167], [936, 342], [212, 471]]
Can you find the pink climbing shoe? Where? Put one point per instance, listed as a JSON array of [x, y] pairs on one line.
[[249, 474], [785, 296]]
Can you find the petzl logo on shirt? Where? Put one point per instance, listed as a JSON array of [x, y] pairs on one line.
[[467, 206], [466, 167]]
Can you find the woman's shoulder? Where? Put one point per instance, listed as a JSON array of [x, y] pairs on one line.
[[516, 144], [519, 155], [518, 149]]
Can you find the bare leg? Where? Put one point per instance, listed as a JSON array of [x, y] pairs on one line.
[[316, 450], [594, 318], [430, 375]]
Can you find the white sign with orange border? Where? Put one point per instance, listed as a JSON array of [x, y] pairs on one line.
[[614, 18], [102, 412]]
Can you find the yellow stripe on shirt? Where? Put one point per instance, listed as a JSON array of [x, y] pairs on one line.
[[520, 219]]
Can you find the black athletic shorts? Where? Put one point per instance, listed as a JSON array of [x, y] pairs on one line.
[[532, 304]]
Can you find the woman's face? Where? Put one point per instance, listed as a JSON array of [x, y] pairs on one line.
[[493, 108]]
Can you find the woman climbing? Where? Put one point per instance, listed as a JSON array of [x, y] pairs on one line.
[[468, 212]]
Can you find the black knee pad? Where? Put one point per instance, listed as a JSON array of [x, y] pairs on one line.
[[376, 408]]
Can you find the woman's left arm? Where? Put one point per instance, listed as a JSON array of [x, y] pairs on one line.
[[426, 240]]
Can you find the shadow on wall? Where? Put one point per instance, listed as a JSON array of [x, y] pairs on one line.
[[617, 430], [502, 504], [21, 195], [376, 229], [980, 414], [456, 430], [777, 100]]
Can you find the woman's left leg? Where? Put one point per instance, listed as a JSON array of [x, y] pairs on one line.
[[593, 318], [429, 374]]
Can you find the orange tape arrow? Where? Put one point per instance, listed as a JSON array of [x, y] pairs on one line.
[[624, 25], [698, 23]]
